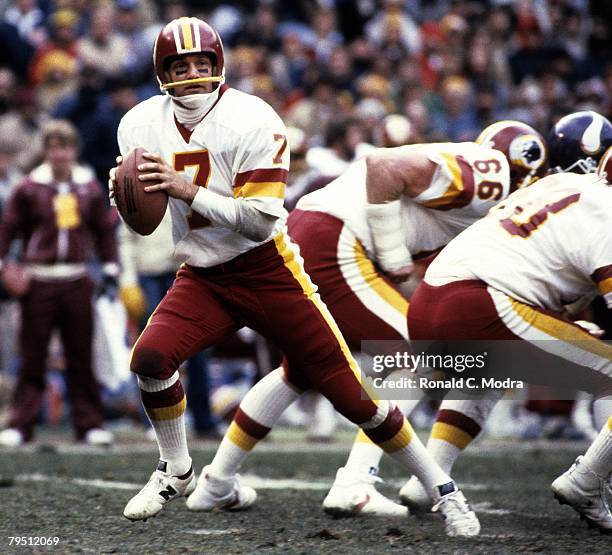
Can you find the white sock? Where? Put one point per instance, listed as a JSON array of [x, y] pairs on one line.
[[259, 410], [599, 455], [404, 445], [364, 456], [168, 420], [419, 461]]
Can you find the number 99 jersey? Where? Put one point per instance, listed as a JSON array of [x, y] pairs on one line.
[[467, 181], [547, 245], [239, 150]]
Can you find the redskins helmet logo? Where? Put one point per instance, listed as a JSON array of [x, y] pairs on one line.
[[527, 151]]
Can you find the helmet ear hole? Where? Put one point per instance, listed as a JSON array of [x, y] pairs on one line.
[[523, 147]]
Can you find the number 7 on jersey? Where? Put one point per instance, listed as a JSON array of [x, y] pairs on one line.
[[200, 160]]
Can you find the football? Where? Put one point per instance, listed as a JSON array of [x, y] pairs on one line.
[[140, 210]]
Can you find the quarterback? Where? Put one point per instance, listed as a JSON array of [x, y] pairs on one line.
[[361, 233], [222, 157]]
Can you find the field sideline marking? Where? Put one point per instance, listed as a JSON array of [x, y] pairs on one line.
[[213, 532], [257, 482]]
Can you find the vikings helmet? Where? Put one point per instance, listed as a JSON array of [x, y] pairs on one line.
[[522, 145], [188, 35], [578, 141]]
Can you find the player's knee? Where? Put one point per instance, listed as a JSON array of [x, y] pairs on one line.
[[148, 362], [358, 411], [387, 422]]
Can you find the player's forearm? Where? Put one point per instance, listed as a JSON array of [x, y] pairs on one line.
[[383, 211], [235, 214]]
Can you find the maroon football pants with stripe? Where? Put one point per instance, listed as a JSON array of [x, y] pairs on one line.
[[66, 306], [267, 290]]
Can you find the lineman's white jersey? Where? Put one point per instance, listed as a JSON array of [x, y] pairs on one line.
[[547, 245], [468, 181], [238, 150]]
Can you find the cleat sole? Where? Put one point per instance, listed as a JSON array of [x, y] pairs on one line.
[[590, 523]]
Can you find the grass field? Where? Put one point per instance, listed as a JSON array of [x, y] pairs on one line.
[[78, 495]]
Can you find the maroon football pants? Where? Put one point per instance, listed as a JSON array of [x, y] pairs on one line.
[[66, 306], [267, 290]]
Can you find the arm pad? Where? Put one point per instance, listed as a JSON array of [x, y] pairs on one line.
[[385, 224], [237, 214]]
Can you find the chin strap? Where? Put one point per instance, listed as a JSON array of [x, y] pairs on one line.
[[218, 79]]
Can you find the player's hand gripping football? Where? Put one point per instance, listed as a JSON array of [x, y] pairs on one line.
[[112, 180], [164, 178]]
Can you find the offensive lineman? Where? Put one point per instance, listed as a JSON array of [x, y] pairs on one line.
[[576, 143], [229, 161], [386, 209], [509, 276]]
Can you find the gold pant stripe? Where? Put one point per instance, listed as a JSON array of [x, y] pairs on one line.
[[238, 436], [167, 413], [377, 283], [559, 329], [400, 440], [309, 290], [610, 422], [451, 434]]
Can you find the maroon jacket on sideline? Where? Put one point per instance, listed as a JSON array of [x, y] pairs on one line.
[[59, 223]]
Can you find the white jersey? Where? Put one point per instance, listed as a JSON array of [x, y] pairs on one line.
[[547, 245], [468, 181], [238, 150]]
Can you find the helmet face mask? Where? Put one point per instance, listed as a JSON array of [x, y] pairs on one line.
[[578, 141], [182, 36], [523, 147]]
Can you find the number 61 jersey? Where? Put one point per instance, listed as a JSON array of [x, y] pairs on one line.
[[239, 150], [547, 245]]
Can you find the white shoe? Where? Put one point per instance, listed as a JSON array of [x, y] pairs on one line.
[[99, 438], [459, 518], [214, 493], [414, 496], [353, 493], [11, 438], [585, 492], [160, 489]]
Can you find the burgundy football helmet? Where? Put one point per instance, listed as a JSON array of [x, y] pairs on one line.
[[604, 169], [188, 35], [524, 148]]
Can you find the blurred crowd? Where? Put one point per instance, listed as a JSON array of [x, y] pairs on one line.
[[333, 69], [345, 75]]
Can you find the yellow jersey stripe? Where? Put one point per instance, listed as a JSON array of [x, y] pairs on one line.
[[251, 189], [455, 187]]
